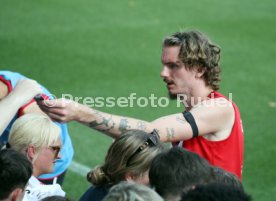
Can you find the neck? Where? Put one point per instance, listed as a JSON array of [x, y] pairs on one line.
[[196, 96], [36, 173]]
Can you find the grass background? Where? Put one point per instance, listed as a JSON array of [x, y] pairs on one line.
[[112, 48]]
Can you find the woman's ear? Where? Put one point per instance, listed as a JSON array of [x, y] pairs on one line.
[[31, 152], [129, 176]]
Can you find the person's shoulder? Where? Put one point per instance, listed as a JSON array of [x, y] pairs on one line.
[[216, 105], [11, 75], [37, 191]]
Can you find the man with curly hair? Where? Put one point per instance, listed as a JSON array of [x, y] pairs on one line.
[[210, 124]]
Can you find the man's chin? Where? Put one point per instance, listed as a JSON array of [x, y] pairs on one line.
[[172, 96]]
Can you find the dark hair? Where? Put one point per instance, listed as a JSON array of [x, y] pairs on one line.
[[222, 176], [215, 192], [15, 171], [177, 170], [56, 198], [131, 152], [196, 50]]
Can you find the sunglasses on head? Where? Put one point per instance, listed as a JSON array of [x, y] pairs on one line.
[[152, 140]]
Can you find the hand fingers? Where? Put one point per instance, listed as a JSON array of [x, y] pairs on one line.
[[55, 110], [56, 117], [51, 103]]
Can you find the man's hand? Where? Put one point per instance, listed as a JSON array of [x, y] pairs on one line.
[[60, 110]]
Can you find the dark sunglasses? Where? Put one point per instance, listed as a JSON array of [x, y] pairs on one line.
[[152, 140], [55, 149]]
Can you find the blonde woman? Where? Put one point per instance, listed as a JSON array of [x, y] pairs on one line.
[[128, 159], [38, 138]]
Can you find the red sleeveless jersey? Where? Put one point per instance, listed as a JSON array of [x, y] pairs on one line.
[[226, 154]]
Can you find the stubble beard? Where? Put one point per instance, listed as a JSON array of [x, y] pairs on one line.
[[172, 96]]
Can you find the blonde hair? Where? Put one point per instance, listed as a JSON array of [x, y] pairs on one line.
[[122, 158], [33, 129]]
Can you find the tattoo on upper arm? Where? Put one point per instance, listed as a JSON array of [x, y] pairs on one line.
[[141, 125], [123, 127], [170, 133], [105, 123], [181, 120]]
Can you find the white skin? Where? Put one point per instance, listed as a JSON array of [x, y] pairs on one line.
[[10, 103], [43, 159], [141, 179], [214, 119]]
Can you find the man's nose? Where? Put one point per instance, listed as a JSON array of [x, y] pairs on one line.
[[164, 72]]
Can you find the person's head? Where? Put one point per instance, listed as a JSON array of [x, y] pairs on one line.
[[125, 191], [189, 57], [177, 170], [38, 138], [221, 176], [214, 192], [128, 158], [15, 171]]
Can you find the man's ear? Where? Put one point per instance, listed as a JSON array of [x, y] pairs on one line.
[[16, 195], [200, 72], [31, 152]]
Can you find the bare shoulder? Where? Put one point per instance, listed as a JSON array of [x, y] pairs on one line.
[[218, 106], [213, 103], [214, 116]]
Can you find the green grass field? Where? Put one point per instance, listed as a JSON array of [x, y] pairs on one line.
[[112, 48]]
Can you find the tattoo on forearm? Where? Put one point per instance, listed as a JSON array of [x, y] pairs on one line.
[[170, 133], [123, 127], [105, 124], [141, 125]]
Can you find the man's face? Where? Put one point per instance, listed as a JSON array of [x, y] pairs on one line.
[[179, 80]]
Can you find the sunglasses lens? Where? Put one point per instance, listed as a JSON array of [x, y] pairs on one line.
[[56, 149]]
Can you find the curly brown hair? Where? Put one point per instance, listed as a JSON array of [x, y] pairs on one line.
[[197, 51]]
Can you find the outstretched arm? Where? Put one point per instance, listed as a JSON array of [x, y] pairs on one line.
[[22, 93], [63, 110], [171, 128]]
